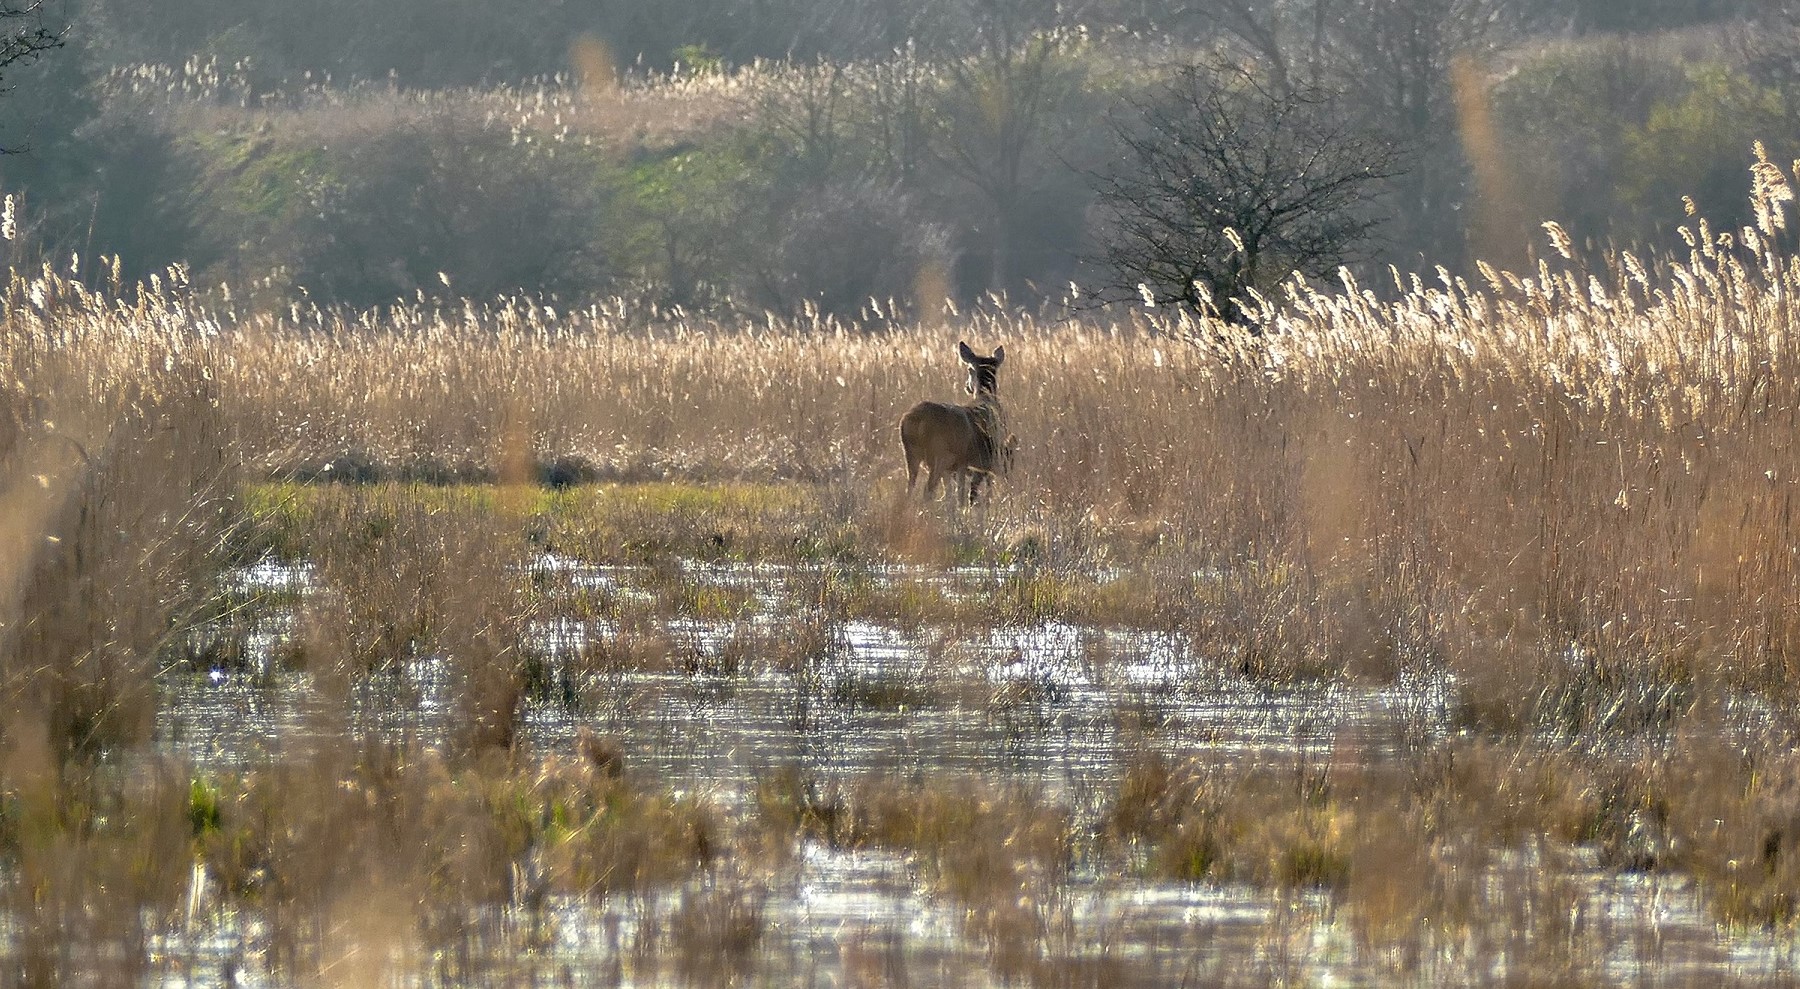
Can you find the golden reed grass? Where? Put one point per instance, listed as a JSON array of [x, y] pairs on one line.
[[1567, 493], [1506, 470]]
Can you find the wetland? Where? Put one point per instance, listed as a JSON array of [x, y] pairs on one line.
[[1433, 642]]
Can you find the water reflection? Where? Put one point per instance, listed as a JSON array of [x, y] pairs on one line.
[[1057, 707]]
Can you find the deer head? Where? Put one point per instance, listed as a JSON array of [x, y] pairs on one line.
[[984, 372]]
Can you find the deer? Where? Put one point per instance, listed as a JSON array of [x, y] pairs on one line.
[[961, 442]]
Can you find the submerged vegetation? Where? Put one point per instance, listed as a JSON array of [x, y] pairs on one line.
[[487, 558], [474, 643]]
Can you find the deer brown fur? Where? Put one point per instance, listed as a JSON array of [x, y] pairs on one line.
[[960, 442]]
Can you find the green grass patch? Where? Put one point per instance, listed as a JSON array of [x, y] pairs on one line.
[[605, 523]]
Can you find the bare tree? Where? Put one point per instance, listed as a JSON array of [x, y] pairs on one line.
[[23, 37], [1391, 61], [1227, 184], [1287, 37], [995, 118]]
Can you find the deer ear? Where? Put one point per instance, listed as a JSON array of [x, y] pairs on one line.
[[1000, 355], [963, 349]]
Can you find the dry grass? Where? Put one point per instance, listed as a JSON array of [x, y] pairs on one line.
[[1568, 500], [1538, 472], [616, 115]]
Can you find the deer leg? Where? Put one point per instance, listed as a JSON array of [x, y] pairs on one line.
[[975, 479], [912, 460], [931, 484]]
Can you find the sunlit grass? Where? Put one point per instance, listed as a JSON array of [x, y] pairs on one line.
[[599, 523], [1554, 510]]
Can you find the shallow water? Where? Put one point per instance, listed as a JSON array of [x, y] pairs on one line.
[[1052, 705], [841, 918], [1054, 708]]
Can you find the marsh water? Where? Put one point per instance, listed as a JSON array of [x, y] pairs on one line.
[[1052, 708]]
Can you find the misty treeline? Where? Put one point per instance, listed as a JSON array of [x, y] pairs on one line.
[[826, 153]]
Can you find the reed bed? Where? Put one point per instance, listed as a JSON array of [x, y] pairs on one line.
[[1541, 470], [1566, 498], [613, 111]]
